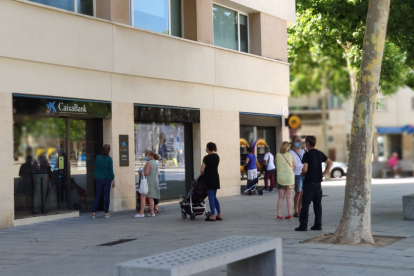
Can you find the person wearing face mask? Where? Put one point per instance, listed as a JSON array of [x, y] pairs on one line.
[[151, 172], [209, 169], [297, 152]]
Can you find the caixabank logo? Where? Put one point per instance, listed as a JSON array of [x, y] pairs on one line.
[[51, 107], [124, 144], [65, 108]]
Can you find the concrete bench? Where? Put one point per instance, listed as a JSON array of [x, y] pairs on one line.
[[242, 255], [408, 206], [404, 172]]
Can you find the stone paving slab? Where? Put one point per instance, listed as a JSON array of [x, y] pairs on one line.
[[70, 246]]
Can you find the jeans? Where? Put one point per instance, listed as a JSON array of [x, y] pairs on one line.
[[298, 183], [312, 192], [213, 201], [102, 185], [270, 175]]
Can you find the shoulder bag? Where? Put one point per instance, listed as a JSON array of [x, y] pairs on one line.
[[286, 160], [143, 186]]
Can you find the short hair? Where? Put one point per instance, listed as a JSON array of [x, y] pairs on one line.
[[311, 140], [284, 147], [212, 146], [249, 149], [105, 150]]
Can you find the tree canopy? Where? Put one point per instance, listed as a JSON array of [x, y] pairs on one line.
[[334, 29]]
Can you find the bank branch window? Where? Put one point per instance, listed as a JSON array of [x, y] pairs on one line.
[[80, 6], [161, 16], [230, 29], [168, 141]]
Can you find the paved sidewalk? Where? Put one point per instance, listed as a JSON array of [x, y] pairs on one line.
[[69, 247]]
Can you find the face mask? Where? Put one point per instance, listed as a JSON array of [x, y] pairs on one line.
[[298, 144], [146, 158]]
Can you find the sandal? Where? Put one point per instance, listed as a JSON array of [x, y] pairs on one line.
[[296, 215], [156, 211], [217, 218], [208, 219], [279, 217]]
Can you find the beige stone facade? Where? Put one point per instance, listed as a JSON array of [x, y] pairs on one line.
[[51, 52]]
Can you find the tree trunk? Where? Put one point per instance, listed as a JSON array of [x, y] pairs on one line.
[[352, 79], [324, 94], [355, 226]]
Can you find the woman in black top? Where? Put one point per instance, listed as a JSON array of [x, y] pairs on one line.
[[209, 169]]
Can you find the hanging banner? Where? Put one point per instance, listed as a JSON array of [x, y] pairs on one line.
[[123, 151]]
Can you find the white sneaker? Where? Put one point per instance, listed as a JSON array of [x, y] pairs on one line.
[[139, 216], [151, 215]]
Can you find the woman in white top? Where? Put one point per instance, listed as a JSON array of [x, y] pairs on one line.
[[297, 153], [269, 162]]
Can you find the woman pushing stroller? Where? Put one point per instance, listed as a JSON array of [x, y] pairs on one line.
[[209, 169]]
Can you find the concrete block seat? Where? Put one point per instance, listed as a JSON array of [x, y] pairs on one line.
[[408, 206], [242, 255]]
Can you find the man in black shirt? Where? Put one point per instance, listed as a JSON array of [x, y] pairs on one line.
[[312, 190]]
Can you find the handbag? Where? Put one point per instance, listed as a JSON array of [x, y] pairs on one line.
[[143, 186]]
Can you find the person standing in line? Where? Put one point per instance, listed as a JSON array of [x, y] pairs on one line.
[[312, 189], [269, 163], [209, 169], [151, 171], [251, 165], [297, 152], [104, 176], [285, 179]]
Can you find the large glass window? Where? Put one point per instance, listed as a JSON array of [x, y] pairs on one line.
[[230, 29], [80, 6], [161, 16], [167, 140]]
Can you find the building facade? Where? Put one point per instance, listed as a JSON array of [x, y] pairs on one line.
[[393, 124], [161, 75]]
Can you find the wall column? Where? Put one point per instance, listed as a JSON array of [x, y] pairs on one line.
[[6, 161], [122, 123], [268, 36], [198, 20], [222, 128]]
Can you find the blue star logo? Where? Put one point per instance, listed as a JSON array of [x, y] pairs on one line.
[[124, 144], [51, 106]]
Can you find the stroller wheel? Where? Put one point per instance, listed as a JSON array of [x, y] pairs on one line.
[[183, 214], [192, 217], [260, 192], [250, 193]]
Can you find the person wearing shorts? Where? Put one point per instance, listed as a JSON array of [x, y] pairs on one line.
[[297, 152], [285, 179], [251, 165]]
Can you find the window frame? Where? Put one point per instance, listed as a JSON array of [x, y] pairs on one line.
[[238, 27], [132, 17], [75, 7]]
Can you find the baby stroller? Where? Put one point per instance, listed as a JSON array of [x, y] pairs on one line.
[[252, 186], [193, 204]]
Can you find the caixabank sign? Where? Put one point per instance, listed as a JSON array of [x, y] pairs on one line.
[[47, 106], [123, 151]]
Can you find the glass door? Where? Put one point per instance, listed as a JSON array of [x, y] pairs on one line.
[[83, 148]]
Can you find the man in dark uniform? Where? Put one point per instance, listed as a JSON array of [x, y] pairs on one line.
[[312, 190]]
